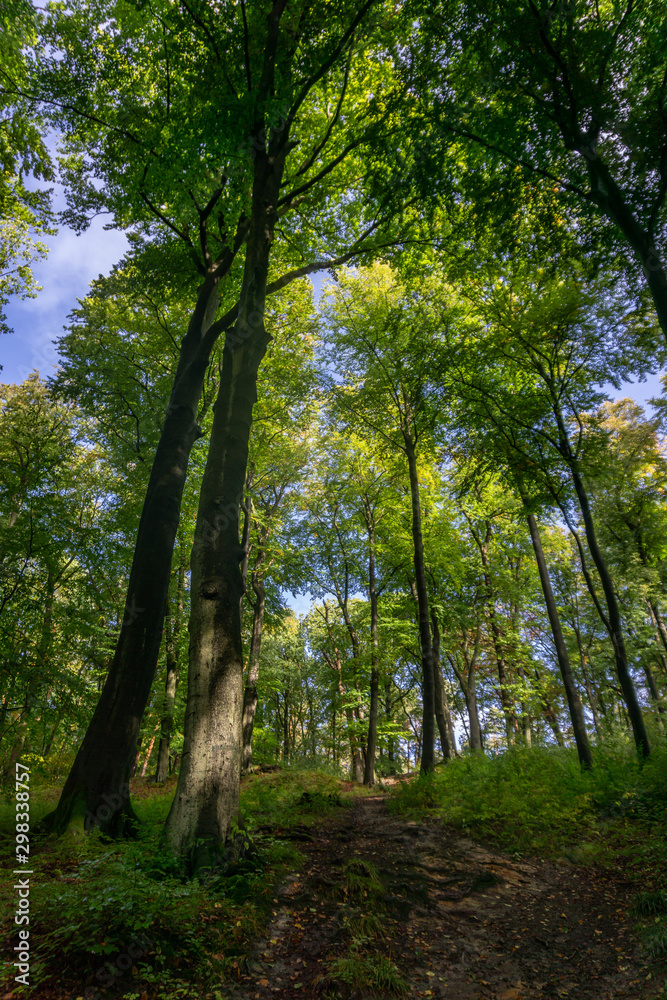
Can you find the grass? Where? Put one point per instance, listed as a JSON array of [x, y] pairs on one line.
[[122, 916], [538, 800], [374, 972]]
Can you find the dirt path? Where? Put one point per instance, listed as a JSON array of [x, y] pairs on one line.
[[459, 921]]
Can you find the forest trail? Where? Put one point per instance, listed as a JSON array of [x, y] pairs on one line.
[[459, 921]]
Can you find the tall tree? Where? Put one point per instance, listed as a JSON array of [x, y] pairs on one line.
[[383, 338], [203, 173], [572, 95]]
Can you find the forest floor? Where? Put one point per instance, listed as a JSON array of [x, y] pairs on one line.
[[385, 905], [348, 897]]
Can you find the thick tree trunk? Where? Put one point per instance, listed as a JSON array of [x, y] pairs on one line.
[[613, 620], [571, 693], [250, 692], [428, 684], [96, 793], [206, 804]]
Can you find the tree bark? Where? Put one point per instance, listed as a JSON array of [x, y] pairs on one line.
[[442, 714], [428, 685], [608, 196], [250, 692], [96, 792], [369, 768], [505, 696], [613, 621], [467, 683], [571, 693], [172, 627], [206, 805], [661, 629]]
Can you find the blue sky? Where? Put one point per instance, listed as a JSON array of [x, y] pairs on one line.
[[73, 262]]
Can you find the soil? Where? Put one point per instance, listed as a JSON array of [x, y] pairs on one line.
[[459, 920]]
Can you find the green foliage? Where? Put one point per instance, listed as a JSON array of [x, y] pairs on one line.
[[25, 212], [288, 796], [374, 972], [125, 914], [538, 800]]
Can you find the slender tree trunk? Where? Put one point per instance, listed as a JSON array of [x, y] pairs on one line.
[[172, 627], [206, 804], [613, 619], [286, 740], [467, 683], [505, 696], [660, 629], [149, 751], [428, 684], [250, 692], [571, 693], [442, 713], [654, 692], [592, 698], [473, 714], [369, 769], [388, 714]]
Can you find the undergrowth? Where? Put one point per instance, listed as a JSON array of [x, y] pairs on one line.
[[538, 799], [121, 916]]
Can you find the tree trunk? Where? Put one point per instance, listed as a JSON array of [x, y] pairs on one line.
[[606, 193], [96, 792], [656, 697], [613, 621], [172, 627], [369, 769], [250, 693], [428, 685], [592, 698], [572, 695], [661, 629], [391, 743], [505, 696], [442, 713], [473, 715], [206, 804], [149, 751]]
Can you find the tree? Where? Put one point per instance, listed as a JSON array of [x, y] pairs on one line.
[[202, 173], [383, 337], [550, 346], [571, 95], [25, 213]]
